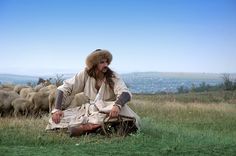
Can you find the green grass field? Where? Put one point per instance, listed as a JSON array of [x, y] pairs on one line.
[[180, 124]]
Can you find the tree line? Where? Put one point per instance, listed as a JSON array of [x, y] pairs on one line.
[[228, 84]]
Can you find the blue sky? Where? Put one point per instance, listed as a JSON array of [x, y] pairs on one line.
[[55, 36]]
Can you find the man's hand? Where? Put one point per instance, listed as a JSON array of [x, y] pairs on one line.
[[56, 117], [114, 112]]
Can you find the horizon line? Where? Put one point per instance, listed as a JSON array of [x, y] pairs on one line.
[[70, 73]]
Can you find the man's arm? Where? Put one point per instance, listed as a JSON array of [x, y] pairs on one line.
[[56, 112], [122, 91], [59, 98], [123, 99], [120, 102]]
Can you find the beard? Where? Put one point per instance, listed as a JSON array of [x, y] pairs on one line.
[[104, 70]]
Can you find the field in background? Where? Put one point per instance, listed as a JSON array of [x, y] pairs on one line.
[[175, 124]]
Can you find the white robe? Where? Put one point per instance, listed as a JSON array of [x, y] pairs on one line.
[[100, 103]]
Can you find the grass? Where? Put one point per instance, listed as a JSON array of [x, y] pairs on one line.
[[169, 127]]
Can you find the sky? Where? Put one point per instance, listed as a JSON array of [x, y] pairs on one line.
[[55, 36]]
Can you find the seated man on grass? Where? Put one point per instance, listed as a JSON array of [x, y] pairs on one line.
[[106, 96]]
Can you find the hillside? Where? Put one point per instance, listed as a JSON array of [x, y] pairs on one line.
[[142, 82]]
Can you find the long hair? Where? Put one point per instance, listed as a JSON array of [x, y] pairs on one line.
[[109, 74]]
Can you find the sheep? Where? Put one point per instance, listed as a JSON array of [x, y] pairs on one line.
[[25, 91], [21, 105], [42, 84], [30, 96], [6, 97], [7, 87], [48, 88], [40, 102], [38, 87], [79, 99], [18, 88], [51, 100]]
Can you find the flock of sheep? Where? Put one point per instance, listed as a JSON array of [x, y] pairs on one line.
[[23, 100]]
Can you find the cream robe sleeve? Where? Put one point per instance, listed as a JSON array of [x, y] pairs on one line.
[[120, 86], [73, 85]]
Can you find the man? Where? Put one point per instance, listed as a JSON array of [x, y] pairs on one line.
[[105, 90]]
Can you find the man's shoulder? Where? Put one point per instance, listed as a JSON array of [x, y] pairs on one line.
[[82, 72]]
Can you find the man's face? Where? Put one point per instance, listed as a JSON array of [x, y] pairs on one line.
[[102, 65]]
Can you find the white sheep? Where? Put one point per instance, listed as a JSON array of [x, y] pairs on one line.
[[18, 88], [79, 99], [22, 105], [6, 98], [40, 102], [7, 87], [48, 88], [25, 91]]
